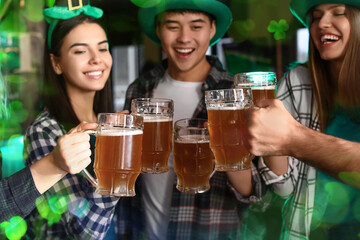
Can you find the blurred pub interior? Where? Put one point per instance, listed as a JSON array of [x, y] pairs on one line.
[[264, 36]]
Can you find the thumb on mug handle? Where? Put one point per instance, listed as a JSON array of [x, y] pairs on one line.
[[84, 172]]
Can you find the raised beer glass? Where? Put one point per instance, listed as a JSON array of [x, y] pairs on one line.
[[118, 149], [158, 128], [193, 158], [262, 84], [226, 125]]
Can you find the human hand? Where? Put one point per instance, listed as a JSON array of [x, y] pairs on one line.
[[72, 152], [270, 129]]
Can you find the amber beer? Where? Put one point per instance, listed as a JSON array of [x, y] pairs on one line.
[[226, 128], [262, 84], [118, 161], [193, 164], [158, 127], [263, 92], [157, 144]]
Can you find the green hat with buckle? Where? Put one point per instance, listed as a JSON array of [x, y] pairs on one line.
[[66, 9], [218, 9], [300, 8]]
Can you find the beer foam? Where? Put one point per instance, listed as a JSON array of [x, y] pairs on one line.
[[148, 118], [263, 88], [192, 139], [120, 132]]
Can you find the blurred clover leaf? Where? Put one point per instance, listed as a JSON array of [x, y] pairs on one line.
[[278, 28]]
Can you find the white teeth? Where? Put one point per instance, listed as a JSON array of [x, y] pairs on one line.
[[94, 73], [327, 38], [184, 50]]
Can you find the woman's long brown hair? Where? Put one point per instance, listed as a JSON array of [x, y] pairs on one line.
[[345, 91]]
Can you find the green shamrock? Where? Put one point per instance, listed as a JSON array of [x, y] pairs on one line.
[[278, 28]]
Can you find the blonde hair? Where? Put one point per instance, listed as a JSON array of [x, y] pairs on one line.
[[345, 91]]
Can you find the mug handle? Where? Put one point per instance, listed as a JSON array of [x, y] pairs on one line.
[[84, 172]]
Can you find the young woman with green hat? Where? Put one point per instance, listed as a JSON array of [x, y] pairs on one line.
[[185, 29], [18, 192], [76, 88], [320, 95]]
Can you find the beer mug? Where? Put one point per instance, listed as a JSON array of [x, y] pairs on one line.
[[262, 84], [193, 158], [226, 125], [158, 127], [118, 149]]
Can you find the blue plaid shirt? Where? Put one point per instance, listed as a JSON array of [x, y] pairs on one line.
[[91, 223], [17, 195], [217, 213]]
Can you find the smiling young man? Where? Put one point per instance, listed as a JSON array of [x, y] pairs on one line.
[[185, 29]]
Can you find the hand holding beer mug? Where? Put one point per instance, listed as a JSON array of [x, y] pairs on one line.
[[226, 124], [158, 127], [262, 84], [118, 149], [193, 158]]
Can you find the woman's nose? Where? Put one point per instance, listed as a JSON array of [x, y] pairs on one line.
[[95, 58], [325, 21]]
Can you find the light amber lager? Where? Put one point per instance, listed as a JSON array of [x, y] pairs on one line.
[[193, 164], [263, 92], [118, 161], [226, 125], [118, 150], [262, 84], [157, 144], [227, 129], [158, 132]]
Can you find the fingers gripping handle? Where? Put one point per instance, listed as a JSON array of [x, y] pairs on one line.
[[84, 172]]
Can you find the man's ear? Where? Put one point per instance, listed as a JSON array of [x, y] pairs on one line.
[[158, 31], [213, 29], [55, 64]]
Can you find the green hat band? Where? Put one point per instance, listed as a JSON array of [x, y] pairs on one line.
[[56, 13]]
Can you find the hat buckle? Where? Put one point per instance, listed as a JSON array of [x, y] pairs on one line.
[[72, 7]]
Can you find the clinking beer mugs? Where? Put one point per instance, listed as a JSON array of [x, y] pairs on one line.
[[158, 131], [193, 158], [262, 84], [118, 150], [226, 125]]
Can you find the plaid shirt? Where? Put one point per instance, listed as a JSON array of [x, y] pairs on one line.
[[298, 184], [217, 213], [17, 195], [93, 224]]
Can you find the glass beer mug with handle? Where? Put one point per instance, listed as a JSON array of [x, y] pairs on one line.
[[118, 150], [226, 123], [193, 158], [262, 84], [158, 127]]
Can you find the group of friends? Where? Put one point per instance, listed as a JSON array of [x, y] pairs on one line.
[[305, 138]]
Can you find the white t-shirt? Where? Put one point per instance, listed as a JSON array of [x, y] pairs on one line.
[[157, 188]]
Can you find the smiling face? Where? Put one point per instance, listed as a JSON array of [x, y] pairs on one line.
[[85, 61], [185, 38], [330, 30]]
